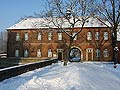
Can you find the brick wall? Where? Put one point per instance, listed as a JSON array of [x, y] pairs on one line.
[[32, 44]]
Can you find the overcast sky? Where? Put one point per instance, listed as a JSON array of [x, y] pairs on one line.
[[12, 10]]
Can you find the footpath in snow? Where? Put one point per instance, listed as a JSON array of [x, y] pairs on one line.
[[75, 76]]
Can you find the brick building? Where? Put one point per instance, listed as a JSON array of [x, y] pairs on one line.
[[29, 39]]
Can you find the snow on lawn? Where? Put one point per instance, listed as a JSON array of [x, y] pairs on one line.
[[75, 76]]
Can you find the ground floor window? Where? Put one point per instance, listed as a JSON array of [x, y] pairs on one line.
[[16, 53], [38, 53], [105, 53], [98, 52], [49, 53], [26, 53]]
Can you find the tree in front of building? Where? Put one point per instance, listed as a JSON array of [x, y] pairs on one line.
[[65, 15], [109, 10], [3, 42]]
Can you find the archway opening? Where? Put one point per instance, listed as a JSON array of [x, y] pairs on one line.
[[74, 55]]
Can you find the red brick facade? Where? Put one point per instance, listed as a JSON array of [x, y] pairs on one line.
[[58, 47]]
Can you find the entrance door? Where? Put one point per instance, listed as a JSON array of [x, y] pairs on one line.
[[89, 55], [60, 55]]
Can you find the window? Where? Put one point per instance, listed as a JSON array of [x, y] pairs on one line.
[[75, 38], [97, 36], [26, 53], [26, 36], [16, 53], [89, 36], [39, 36], [38, 53], [89, 50], [105, 35], [17, 37], [97, 52], [59, 36], [60, 50], [49, 36], [49, 53], [105, 53]]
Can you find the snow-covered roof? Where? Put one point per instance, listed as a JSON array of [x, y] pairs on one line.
[[33, 23]]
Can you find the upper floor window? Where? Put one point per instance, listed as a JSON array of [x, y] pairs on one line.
[[105, 53], [49, 53], [16, 53], [97, 35], [26, 53], [38, 53], [89, 36], [75, 38], [49, 36], [17, 36], [26, 36], [59, 36], [105, 35], [39, 36], [98, 53]]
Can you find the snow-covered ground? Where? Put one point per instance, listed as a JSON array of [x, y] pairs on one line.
[[75, 76]]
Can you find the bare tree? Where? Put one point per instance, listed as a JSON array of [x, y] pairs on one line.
[[101, 43], [109, 10], [3, 42], [64, 14]]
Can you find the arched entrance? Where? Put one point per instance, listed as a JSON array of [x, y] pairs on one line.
[[75, 54]]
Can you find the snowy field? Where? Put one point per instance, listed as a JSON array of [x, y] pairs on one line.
[[75, 76]]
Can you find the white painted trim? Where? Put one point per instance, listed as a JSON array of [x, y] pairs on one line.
[[80, 51], [88, 52]]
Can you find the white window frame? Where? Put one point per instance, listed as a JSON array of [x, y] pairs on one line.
[[38, 53], [49, 53], [98, 53], [16, 53], [59, 36], [39, 36], [17, 37], [89, 36], [105, 35], [105, 53], [50, 36], [26, 53], [97, 35], [89, 50], [26, 36], [75, 36]]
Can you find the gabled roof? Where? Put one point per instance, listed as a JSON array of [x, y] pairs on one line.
[[34, 23]]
